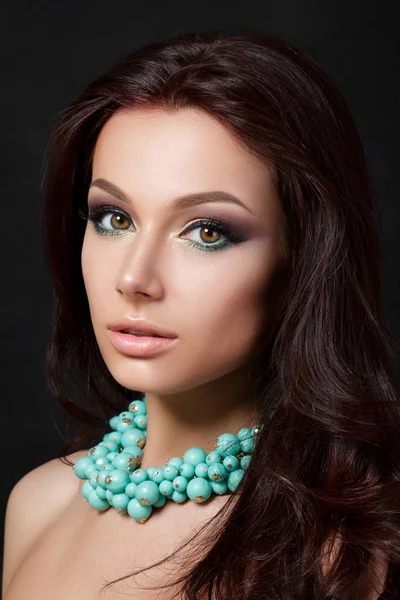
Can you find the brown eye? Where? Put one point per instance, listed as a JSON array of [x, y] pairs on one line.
[[211, 235], [117, 221], [107, 220]]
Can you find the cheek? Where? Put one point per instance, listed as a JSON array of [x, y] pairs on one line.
[[231, 321]]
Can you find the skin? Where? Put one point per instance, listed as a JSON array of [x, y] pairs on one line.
[[220, 304]]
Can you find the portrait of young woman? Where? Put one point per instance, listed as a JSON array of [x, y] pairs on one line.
[[213, 238]]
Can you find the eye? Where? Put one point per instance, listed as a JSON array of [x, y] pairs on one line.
[[107, 220], [110, 220], [210, 233]]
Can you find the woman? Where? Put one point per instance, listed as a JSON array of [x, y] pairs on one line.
[[212, 188]]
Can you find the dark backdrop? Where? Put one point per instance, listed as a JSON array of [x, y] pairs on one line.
[[49, 52]]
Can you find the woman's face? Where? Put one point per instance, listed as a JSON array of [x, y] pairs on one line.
[[215, 289]]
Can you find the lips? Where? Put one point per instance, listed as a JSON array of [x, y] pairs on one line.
[[140, 333], [140, 346], [140, 327]]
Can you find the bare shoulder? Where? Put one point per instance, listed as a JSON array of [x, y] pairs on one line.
[[34, 503]]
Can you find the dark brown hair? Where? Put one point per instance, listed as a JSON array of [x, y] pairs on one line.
[[328, 463]]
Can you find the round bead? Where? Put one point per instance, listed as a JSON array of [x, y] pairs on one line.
[[93, 480], [187, 470], [176, 462], [101, 492], [244, 433], [112, 455], [115, 437], [80, 466], [138, 511], [120, 501], [86, 489], [160, 502], [234, 479], [199, 489], [219, 487], [180, 483], [101, 461], [137, 454], [139, 475], [201, 470], [140, 421], [194, 456], [137, 407], [248, 445], [96, 502], [245, 461], [89, 470], [109, 496], [124, 461], [213, 457], [131, 437], [130, 490], [170, 472], [103, 474], [113, 422], [231, 463], [157, 476], [179, 496], [227, 444], [97, 452], [166, 488], [116, 481], [111, 446], [147, 493], [125, 423], [217, 472], [125, 414], [150, 471]]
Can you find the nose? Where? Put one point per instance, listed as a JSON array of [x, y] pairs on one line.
[[141, 268]]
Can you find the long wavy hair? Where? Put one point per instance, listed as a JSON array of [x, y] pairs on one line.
[[327, 465]]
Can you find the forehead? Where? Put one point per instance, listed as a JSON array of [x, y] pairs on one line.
[[153, 153]]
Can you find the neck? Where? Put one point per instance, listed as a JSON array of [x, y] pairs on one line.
[[195, 418]]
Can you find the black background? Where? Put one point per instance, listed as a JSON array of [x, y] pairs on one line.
[[49, 52]]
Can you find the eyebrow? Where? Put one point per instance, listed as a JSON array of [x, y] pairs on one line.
[[181, 202]]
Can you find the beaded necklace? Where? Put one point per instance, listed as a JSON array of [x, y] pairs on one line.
[[114, 477]]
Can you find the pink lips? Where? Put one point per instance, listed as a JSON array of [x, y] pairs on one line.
[[132, 345]]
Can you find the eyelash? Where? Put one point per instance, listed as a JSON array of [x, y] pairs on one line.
[[96, 213]]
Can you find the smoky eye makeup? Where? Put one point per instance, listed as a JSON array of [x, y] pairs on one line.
[[212, 233]]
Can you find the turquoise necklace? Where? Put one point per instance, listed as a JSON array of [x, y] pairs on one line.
[[114, 477]]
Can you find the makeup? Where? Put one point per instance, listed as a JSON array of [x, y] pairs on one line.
[[98, 214], [140, 346]]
